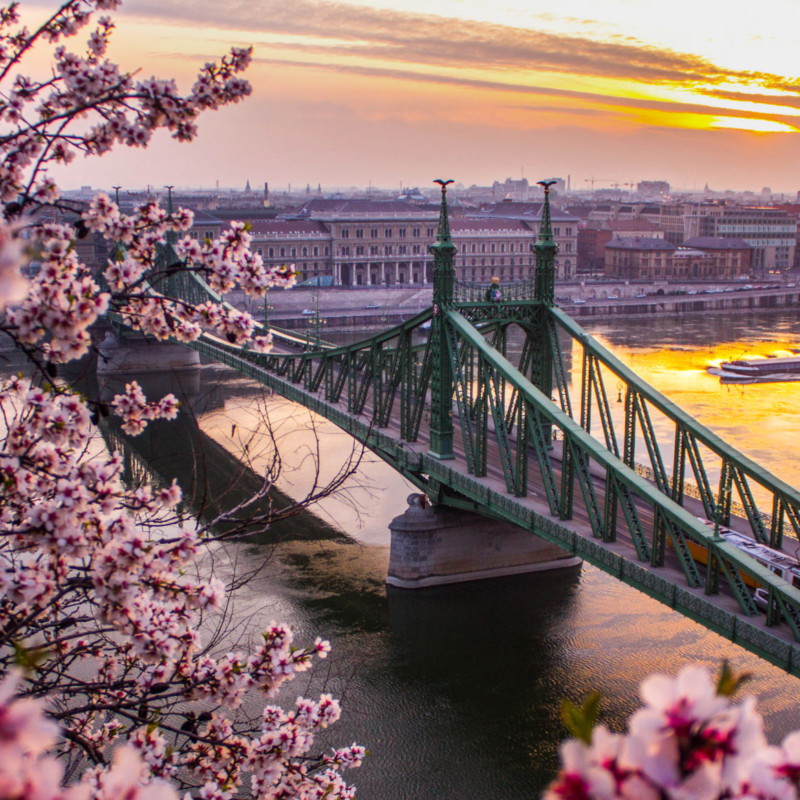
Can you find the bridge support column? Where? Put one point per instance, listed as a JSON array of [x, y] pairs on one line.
[[434, 545]]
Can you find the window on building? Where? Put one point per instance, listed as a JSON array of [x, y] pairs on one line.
[[415, 233], [387, 250], [359, 233], [283, 252], [272, 252], [360, 250], [294, 252], [305, 250], [430, 232], [316, 251], [401, 232], [345, 233], [483, 247], [373, 232]]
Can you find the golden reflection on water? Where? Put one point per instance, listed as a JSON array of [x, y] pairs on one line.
[[759, 419]]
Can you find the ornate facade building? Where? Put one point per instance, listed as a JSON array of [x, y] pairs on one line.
[[378, 243], [565, 232]]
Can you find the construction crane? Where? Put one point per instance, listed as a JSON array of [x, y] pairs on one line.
[[594, 180]]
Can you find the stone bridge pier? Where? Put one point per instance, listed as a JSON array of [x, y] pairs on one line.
[[433, 545]]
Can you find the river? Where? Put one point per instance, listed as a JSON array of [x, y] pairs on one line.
[[456, 690]]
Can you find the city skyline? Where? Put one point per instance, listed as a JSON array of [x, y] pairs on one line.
[[385, 92]]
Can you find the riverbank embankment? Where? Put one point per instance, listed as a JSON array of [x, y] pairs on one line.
[[377, 307]]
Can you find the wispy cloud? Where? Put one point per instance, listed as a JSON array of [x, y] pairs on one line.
[[341, 29], [594, 99]]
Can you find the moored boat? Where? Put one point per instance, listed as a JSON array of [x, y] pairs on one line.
[[752, 370]]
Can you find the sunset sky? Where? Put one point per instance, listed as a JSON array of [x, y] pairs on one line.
[[398, 91]]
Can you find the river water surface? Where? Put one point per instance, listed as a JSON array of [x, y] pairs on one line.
[[456, 690]]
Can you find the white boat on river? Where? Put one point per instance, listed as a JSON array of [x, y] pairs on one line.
[[759, 370]]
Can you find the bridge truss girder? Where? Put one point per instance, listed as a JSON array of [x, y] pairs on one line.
[[626, 518]]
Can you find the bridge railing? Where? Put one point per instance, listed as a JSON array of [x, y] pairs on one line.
[[466, 292], [698, 458], [725, 479], [615, 497]]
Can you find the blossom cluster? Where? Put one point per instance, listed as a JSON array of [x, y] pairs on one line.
[[96, 572], [107, 688], [62, 301], [28, 771], [38, 115], [690, 741]]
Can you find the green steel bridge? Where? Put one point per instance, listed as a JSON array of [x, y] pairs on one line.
[[479, 402]]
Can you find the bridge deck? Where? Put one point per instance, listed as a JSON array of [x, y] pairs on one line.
[[667, 583]]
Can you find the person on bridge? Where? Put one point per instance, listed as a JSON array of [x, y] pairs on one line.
[[494, 294]]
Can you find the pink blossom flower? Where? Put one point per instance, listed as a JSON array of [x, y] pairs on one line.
[[23, 726]]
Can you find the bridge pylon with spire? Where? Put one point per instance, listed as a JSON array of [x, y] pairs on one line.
[[497, 403]]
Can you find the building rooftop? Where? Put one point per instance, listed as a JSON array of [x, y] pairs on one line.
[[278, 227], [637, 243], [630, 225], [324, 208], [201, 215], [513, 209], [482, 223], [717, 243]]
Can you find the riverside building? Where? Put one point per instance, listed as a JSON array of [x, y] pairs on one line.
[[771, 233], [701, 258], [355, 242]]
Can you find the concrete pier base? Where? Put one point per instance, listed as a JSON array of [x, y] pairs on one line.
[[438, 545], [136, 356]]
